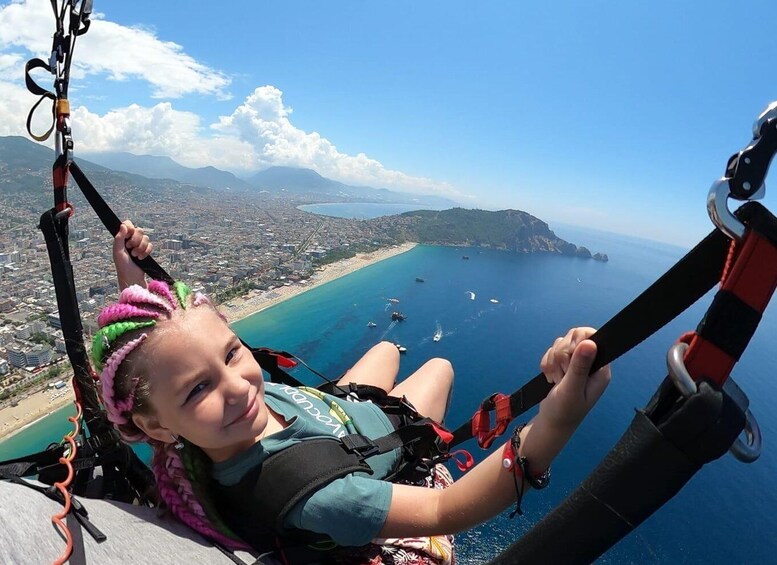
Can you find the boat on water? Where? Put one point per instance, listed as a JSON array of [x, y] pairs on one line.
[[465, 257], [393, 300], [401, 348], [494, 301], [438, 333], [419, 279], [471, 294], [397, 316], [372, 325]]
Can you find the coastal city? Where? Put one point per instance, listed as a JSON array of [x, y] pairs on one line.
[[247, 250]]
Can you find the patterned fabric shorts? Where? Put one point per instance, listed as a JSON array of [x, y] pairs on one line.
[[434, 550]]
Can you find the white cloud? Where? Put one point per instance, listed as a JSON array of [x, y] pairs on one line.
[[262, 121], [257, 134], [122, 53]]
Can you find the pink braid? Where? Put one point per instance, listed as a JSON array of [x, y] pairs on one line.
[[178, 493], [121, 312], [161, 287], [114, 408], [135, 294]]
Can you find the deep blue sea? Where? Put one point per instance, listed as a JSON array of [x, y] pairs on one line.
[[726, 514]]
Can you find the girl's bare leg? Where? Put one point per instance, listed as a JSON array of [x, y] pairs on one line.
[[429, 388], [378, 367]]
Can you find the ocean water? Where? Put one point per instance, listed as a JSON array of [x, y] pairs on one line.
[[724, 515]]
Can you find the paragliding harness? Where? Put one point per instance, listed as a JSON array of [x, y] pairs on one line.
[[256, 507], [695, 416]]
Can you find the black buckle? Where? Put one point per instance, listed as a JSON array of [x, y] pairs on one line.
[[357, 443]]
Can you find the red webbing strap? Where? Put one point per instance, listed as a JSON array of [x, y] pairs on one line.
[[752, 279], [481, 421]]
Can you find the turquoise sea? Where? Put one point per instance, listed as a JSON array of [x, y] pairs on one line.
[[727, 512]]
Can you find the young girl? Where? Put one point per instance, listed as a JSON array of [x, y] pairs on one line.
[[175, 375]]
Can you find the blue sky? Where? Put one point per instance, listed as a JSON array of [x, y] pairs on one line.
[[605, 114]]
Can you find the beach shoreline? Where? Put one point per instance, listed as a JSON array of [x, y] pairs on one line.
[[40, 403], [255, 301], [35, 406]]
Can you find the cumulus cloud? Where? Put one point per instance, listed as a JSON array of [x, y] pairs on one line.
[[257, 134], [262, 121]]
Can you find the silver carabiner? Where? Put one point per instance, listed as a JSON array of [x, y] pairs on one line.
[[769, 112], [748, 451], [721, 190]]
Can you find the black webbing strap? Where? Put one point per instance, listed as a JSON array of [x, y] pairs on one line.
[[112, 222], [70, 320], [685, 283], [653, 460], [78, 554], [28, 465], [124, 465]]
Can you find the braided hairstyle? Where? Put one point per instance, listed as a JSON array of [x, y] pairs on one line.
[[124, 387]]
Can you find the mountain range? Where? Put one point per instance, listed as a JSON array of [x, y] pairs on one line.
[[290, 180], [19, 155]]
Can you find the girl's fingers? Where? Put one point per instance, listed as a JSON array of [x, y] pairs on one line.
[[576, 378], [144, 249]]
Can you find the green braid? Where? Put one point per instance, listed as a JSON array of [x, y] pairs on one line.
[[182, 293], [106, 336], [198, 467]]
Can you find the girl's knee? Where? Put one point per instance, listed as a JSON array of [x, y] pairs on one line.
[[386, 348], [442, 368]]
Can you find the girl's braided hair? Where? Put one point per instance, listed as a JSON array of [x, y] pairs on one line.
[[124, 386]]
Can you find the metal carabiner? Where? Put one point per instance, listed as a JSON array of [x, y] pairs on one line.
[[747, 452], [745, 174]]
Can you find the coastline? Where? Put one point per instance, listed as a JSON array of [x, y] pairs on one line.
[[34, 406], [41, 403], [256, 301]]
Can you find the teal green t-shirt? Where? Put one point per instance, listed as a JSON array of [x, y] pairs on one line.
[[350, 510]]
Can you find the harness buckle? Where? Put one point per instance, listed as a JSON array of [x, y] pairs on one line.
[[359, 444], [745, 451], [481, 421]]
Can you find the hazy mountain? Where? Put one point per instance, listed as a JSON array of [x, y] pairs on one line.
[[25, 167], [150, 166], [306, 181], [19, 153]]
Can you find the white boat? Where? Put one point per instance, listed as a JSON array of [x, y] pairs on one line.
[[494, 301], [393, 300], [372, 325], [471, 294], [438, 333], [401, 348]]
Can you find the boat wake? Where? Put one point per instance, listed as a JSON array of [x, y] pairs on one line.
[[388, 329]]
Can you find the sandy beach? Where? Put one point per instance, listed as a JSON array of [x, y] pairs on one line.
[[36, 405], [256, 301]]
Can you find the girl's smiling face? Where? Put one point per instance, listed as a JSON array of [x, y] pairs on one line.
[[204, 385]]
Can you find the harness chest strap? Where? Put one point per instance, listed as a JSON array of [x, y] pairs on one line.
[[257, 506]]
